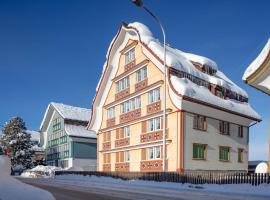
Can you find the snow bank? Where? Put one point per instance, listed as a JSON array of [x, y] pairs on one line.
[[13, 189], [41, 171], [258, 61], [262, 167], [190, 89], [246, 189]]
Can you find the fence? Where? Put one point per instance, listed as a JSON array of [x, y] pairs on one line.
[[185, 177]]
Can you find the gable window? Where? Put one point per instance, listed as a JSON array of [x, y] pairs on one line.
[[141, 74], [110, 113], [126, 156], [199, 151], [224, 153], [240, 155], [240, 131], [219, 93], [153, 95], [199, 122], [130, 56], [153, 153], [154, 124], [57, 124], [126, 131], [130, 105], [224, 128], [122, 84]]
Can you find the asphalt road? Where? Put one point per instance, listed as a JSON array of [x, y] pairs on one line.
[[105, 191]]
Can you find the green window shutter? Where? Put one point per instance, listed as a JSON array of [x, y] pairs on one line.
[[195, 151]]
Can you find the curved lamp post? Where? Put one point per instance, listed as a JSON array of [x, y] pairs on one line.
[[140, 4]]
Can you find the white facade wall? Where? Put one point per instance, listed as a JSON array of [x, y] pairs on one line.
[[83, 164], [214, 140]]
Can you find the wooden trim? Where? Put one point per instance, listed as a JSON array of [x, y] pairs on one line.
[[122, 94], [141, 85], [154, 107], [110, 122], [130, 116], [204, 151], [122, 167], [127, 73], [122, 142], [133, 95], [129, 47]]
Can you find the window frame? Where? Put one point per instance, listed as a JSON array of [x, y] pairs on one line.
[[154, 95], [111, 113], [199, 122], [154, 123], [199, 145], [155, 153], [228, 153], [240, 152], [130, 105], [126, 156], [142, 73], [130, 55], [240, 131], [224, 130]]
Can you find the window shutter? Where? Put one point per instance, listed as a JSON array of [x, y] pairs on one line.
[[109, 157], [220, 126], [228, 128], [109, 136], [104, 137], [117, 134], [161, 152], [121, 156], [143, 127], [204, 123], [161, 121], [143, 154], [117, 157], [104, 158], [121, 133]]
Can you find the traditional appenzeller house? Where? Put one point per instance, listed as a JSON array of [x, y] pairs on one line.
[[208, 116]]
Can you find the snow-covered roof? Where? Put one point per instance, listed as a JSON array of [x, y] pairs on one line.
[[67, 112], [180, 60], [79, 131], [71, 112], [37, 148], [35, 135], [257, 63]]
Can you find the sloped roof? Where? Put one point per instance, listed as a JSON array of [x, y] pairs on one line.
[[35, 135], [79, 131], [67, 112]]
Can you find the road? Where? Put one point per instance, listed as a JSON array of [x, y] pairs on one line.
[[65, 190]]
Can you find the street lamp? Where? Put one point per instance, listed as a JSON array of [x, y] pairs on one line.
[[140, 4]]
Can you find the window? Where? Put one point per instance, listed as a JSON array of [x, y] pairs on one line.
[[224, 153], [57, 124], [153, 153], [224, 128], [219, 93], [130, 55], [199, 151], [126, 131], [154, 124], [130, 105], [141, 74], [240, 131], [240, 155], [199, 122], [154, 95], [122, 84], [126, 156], [110, 113]]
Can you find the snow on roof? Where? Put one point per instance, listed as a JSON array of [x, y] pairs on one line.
[[35, 135], [255, 65], [182, 61], [71, 112], [79, 131], [190, 89], [37, 148]]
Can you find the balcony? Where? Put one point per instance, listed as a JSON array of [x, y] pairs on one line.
[[106, 146], [130, 116], [122, 94], [154, 107], [122, 142], [110, 122], [122, 167], [107, 167], [141, 85], [151, 166]]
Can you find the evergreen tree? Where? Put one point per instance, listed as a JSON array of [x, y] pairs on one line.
[[18, 143]]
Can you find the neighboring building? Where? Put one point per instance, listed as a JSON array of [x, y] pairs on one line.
[[253, 164], [257, 74], [208, 115], [67, 142], [38, 156]]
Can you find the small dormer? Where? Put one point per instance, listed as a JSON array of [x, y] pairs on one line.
[[204, 68]]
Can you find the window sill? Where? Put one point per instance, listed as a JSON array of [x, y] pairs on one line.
[[224, 160], [203, 159]]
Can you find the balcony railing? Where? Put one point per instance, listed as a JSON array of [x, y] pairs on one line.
[[122, 167], [132, 115], [122, 142]]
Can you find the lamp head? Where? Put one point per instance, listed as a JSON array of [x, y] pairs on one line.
[[138, 3]]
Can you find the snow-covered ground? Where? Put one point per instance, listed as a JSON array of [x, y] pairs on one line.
[[41, 171], [13, 189], [137, 185]]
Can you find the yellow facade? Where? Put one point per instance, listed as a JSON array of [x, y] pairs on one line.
[[111, 156]]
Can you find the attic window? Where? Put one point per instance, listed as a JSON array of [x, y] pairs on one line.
[[208, 70], [130, 55], [219, 93]]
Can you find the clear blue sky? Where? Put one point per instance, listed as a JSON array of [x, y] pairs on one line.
[[54, 50]]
